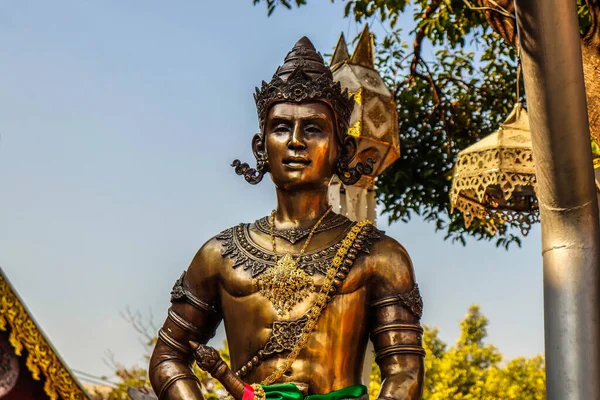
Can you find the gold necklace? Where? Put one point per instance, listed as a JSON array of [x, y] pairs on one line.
[[286, 285], [319, 305]]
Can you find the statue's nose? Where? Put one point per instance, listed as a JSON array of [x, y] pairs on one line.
[[297, 138]]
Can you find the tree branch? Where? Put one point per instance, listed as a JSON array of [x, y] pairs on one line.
[[420, 35], [438, 104], [593, 34], [499, 21]]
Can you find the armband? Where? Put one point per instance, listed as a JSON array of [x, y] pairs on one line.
[[181, 292], [399, 349], [172, 343], [197, 333], [397, 327], [411, 300]]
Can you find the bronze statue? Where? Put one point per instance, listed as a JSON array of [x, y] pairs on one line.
[[299, 291]]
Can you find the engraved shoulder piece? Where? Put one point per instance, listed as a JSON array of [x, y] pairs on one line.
[[178, 292], [226, 237], [236, 244], [181, 293], [411, 300]]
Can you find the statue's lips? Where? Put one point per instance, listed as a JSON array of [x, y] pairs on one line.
[[296, 162]]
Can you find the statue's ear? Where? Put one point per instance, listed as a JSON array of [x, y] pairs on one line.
[[349, 148], [254, 175], [350, 175], [258, 147]]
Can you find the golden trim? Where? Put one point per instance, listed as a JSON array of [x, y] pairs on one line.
[[358, 96], [41, 357], [355, 129], [259, 392]]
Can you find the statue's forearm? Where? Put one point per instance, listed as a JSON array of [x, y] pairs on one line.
[[172, 377], [171, 373], [403, 385], [189, 318], [397, 338]]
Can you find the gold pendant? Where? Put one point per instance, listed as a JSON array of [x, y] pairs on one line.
[[285, 285]]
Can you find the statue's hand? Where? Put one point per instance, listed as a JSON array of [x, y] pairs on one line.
[[207, 358]]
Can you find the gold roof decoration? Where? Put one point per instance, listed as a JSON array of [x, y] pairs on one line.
[[28, 340], [374, 121], [494, 179]]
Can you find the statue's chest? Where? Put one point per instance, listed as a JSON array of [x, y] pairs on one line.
[[239, 283], [339, 266]]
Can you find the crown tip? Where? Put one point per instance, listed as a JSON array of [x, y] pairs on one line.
[[305, 42], [340, 54], [363, 53]]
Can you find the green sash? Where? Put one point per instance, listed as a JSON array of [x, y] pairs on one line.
[[289, 391]]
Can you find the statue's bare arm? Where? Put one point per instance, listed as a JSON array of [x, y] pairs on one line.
[[194, 315], [394, 326]]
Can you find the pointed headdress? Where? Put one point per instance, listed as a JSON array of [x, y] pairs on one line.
[[305, 77]]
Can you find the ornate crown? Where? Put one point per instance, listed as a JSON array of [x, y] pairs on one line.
[[304, 77]]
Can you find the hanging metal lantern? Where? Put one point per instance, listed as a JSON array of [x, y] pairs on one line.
[[494, 179], [374, 123]]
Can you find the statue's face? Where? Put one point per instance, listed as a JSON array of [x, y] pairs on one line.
[[301, 145]]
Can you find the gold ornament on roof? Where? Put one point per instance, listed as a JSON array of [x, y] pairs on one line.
[[374, 120], [28, 341], [494, 179]]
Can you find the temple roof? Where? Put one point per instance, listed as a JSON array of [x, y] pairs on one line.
[[31, 344]]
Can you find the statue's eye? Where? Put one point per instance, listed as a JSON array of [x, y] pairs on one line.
[[313, 129], [281, 128]]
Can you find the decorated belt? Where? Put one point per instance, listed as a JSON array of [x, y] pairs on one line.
[[289, 391]]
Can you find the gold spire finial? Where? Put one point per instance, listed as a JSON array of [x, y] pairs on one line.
[[340, 54], [363, 53]]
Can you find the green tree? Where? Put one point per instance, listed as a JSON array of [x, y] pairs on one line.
[[473, 370], [447, 103]]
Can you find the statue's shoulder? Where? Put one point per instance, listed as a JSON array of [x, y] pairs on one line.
[[386, 246], [212, 247], [390, 263], [216, 248]]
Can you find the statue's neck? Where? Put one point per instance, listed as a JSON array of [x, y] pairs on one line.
[[300, 209]]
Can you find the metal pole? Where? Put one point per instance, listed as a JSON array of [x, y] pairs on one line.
[[553, 72]]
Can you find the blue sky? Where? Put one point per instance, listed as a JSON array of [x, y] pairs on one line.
[[118, 122]]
